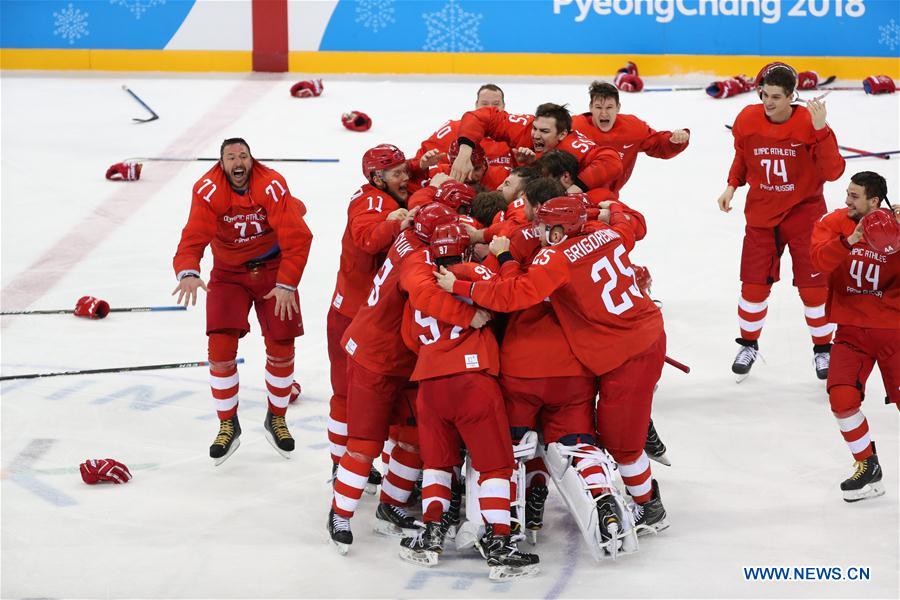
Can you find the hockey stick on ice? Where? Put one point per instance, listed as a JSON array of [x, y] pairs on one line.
[[860, 153], [680, 366], [113, 370], [695, 89], [211, 159], [112, 310], [142, 103]]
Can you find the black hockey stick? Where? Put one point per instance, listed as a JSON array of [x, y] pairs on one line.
[[211, 159], [112, 310], [142, 103], [113, 370]]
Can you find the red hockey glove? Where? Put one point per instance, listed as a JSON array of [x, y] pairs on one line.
[[628, 83], [356, 121], [807, 80], [125, 171], [104, 470], [91, 308], [879, 84], [642, 278], [307, 89], [881, 231], [630, 69], [730, 87], [295, 392]]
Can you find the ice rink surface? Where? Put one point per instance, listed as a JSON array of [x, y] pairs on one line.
[[756, 466]]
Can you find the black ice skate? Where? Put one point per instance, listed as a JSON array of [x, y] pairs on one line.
[[650, 517], [450, 520], [534, 511], [822, 360], [227, 441], [425, 546], [339, 530], [654, 446], [504, 558], [609, 524], [277, 433], [745, 358], [865, 482], [394, 521], [374, 481]]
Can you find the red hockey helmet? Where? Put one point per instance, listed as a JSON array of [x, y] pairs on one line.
[[449, 239], [455, 195], [568, 211], [429, 217], [380, 158], [881, 231], [478, 156]]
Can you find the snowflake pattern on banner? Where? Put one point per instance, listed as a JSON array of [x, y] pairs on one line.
[[71, 23], [452, 29], [890, 34], [137, 7], [375, 14]]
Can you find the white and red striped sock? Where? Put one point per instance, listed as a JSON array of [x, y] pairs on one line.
[[386, 453], [349, 484], [819, 328], [403, 472], [752, 318], [855, 429], [636, 477], [337, 436], [435, 493], [224, 383], [279, 380], [493, 499]]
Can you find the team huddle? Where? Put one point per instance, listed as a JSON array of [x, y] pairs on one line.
[[488, 332]]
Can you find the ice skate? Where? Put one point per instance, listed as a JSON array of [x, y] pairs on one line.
[[227, 441], [374, 481], [654, 446], [534, 511], [504, 558], [277, 434], [822, 360], [609, 524], [394, 521], [865, 481], [425, 546], [650, 517], [339, 530], [451, 519], [745, 358]]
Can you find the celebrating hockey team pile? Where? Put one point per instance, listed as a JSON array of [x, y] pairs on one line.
[[488, 332]]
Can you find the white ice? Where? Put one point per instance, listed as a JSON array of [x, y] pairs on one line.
[[756, 466]]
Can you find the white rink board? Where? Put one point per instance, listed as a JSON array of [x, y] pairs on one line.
[[756, 466]]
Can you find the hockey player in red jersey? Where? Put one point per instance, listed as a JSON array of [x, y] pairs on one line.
[[785, 154], [550, 127], [614, 330], [375, 217], [857, 249], [459, 400], [627, 134], [379, 368], [498, 153], [260, 244]]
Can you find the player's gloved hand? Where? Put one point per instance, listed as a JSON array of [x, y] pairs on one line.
[[881, 231], [91, 308], [104, 470], [356, 121], [628, 82], [307, 89], [879, 84], [807, 80], [730, 87], [642, 278], [124, 171]]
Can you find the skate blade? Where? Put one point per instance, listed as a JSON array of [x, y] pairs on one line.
[[873, 490], [531, 535], [660, 525], [740, 378], [425, 558], [661, 459], [505, 573], [234, 446], [388, 529], [285, 453], [342, 549]]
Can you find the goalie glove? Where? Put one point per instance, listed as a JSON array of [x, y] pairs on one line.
[[356, 121], [730, 87], [124, 171], [307, 89], [879, 84], [91, 308], [104, 470]]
